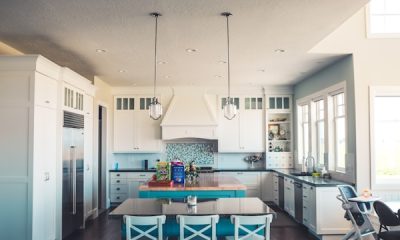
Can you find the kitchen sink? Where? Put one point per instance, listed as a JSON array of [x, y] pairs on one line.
[[300, 174]]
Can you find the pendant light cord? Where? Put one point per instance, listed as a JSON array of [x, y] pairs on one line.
[[229, 65], [155, 53]]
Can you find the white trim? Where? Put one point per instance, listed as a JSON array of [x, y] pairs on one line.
[[331, 90], [375, 91], [368, 33]]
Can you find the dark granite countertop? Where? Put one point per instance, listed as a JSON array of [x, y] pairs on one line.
[[313, 181]]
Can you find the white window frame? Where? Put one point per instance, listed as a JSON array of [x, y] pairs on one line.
[[375, 91], [304, 153], [326, 95], [335, 120], [368, 27], [317, 121]]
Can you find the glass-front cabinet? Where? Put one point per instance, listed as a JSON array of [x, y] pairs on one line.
[[279, 126]]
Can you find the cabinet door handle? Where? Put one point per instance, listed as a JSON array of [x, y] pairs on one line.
[[118, 181], [118, 175], [117, 197], [304, 196], [142, 175], [305, 207], [118, 189], [47, 101], [239, 173]]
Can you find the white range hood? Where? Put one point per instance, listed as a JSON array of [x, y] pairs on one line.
[[191, 114]]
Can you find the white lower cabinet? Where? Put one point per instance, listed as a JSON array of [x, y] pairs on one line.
[[289, 196], [252, 180], [309, 207], [125, 185]]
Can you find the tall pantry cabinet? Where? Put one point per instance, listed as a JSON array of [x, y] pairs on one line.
[[31, 107], [28, 147]]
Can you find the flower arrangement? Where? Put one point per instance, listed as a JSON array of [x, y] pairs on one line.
[[191, 173], [252, 159]]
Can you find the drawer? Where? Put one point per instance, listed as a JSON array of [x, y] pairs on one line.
[[248, 179], [118, 197], [117, 175], [141, 175], [118, 181], [119, 188]]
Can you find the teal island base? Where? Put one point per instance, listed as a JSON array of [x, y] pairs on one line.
[[199, 193]]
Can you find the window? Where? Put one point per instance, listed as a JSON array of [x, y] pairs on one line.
[[235, 101], [385, 138], [339, 132], [320, 131], [303, 133], [253, 103], [384, 18], [322, 128]]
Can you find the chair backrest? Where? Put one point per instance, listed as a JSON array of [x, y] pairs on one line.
[[144, 226], [197, 226], [386, 215], [251, 226], [348, 191]]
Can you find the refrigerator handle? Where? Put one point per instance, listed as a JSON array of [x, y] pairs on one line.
[[73, 150]]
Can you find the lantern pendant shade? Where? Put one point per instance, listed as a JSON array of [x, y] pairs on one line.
[[155, 109], [230, 110]]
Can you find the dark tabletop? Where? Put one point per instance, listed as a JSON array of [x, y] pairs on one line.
[[220, 206]]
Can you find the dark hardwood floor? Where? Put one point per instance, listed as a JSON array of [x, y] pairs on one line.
[[106, 228]]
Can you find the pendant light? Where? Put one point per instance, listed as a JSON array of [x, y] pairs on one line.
[[230, 110], [155, 107]]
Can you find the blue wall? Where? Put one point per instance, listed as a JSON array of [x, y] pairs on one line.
[[340, 71]]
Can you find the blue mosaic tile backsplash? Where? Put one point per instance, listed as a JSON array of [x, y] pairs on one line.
[[200, 153]]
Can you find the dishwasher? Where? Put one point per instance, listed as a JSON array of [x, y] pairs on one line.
[[281, 187], [298, 201]]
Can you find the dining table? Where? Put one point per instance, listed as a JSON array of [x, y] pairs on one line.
[[224, 207]]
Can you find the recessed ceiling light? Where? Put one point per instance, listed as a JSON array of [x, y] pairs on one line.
[[261, 70], [100, 50], [121, 71], [222, 62], [218, 76], [162, 62], [279, 50], [167, 76], [191, 50]]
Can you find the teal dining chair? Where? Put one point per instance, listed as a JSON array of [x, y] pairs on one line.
[[248, 227], [145, 226], [196, 226]]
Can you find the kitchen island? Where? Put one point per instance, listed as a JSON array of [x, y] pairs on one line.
[[209, 185]]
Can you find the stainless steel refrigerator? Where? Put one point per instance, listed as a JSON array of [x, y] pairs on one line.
[[73, 170]]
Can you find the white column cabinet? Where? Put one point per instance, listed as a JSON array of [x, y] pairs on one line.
[[28, 147], [134, 130], [244, 133]]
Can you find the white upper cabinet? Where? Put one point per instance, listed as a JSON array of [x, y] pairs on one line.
[[134, 130], [245, 132], [46, 90]]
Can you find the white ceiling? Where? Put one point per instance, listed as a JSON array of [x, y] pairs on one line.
[[69, 32]]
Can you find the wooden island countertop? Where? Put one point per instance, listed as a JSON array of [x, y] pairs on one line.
[[206, 182]]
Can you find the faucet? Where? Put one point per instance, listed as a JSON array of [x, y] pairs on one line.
[[309, 163]]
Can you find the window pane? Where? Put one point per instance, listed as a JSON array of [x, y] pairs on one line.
[[247, 103], [253, 103], [142, 103], [320, 142], [340, 143], [148, 102], [305, 140], [286, 104], [279, 103], [272, 103], [259, 105], [223, 102], [387, 139], [236, 102], [131, 103], [125, 103]]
